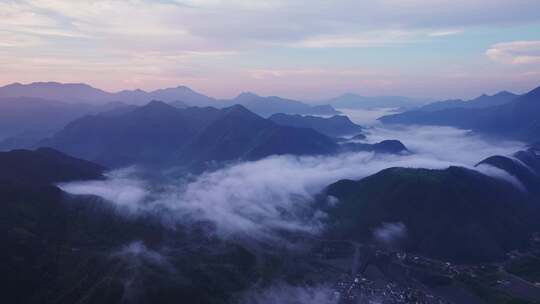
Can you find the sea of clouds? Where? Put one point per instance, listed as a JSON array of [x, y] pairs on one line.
[[258, 199]]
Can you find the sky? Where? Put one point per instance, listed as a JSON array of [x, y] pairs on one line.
[[309, 50]]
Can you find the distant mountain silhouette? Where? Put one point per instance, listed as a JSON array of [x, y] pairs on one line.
[[158, 133], [24, 140], [66, 92], [151, 133], [334, 126], [354, 101], [517, 119], [484, 101], [35, 115], [454, 214], [266, 106], [178, 94], [181, 95]]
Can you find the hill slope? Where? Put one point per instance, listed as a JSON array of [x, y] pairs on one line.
[[44, 166], [456, 214], [59, 248]]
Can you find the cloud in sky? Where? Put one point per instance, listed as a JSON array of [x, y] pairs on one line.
[[365, 40], [446, 33], [213, 45], [515, 52]]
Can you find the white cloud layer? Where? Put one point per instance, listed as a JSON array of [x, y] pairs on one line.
[[260, 198]]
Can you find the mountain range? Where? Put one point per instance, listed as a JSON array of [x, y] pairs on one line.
[[518, 118], [41, 116], [484, 101], [354, 101], [160, 134], [83, 93]]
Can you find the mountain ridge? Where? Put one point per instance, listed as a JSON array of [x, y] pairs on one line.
[[79, 92], [517, 119]]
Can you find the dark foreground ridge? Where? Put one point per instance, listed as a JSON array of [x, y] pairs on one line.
[[455, 214]]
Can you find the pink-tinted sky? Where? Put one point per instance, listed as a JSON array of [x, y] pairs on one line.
[[302, 49]]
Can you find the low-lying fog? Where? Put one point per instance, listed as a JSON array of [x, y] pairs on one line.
[[256, 199]]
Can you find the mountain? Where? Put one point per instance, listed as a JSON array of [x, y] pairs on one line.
[[523, 165], [455, 214], [238, 133], [158, 133], [266, 106], [484, 101], [180, 95], [67, 92], [61, 248], [178, 104], [45, 166], [391, 146], [83, 93], [354, 101], [151, 133], [35, 115], [517, 119], [334, 126], [177, 95]]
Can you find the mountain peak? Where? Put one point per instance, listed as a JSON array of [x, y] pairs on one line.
[[15, 84], [504, 93], [237, 109], [247, 95], [60, 84], [184, 88]]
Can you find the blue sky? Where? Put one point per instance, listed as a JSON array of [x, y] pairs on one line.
[[301, 49]]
